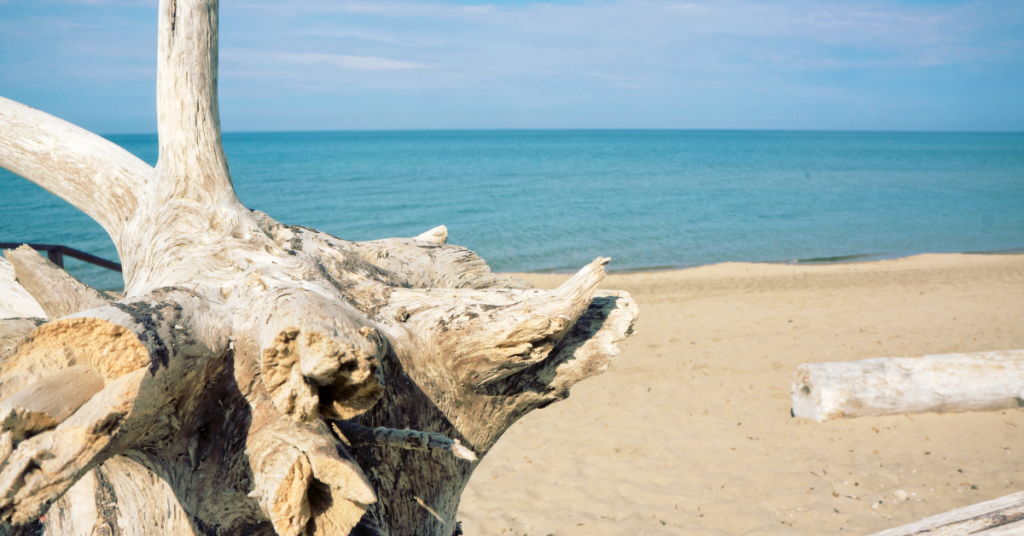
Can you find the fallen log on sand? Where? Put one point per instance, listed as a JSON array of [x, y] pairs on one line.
[[999, 517], [948, 383]]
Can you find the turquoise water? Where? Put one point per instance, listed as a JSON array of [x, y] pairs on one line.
[[554, 200]]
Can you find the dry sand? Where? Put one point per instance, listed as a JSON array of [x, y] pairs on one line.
[[689, 430]]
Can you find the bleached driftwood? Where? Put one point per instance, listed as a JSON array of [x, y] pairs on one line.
[[57, 292], [48, 402], [947, 383], [999, 517], [238, 337], [15, 301], [20, 313]]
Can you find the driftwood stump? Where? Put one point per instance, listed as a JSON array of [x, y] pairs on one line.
[[256, 377]]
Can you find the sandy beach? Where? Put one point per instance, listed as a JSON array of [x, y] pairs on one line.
[[689, 431]]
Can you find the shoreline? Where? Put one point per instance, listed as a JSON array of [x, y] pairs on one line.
[[814, 261], [823, 261]]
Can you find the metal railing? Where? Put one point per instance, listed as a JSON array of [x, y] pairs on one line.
[[56, 254]]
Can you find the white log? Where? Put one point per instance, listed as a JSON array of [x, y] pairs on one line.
[[15, 301], [999, 517], [947, 383]]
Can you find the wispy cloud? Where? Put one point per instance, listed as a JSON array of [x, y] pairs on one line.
[[385, 8], [375, 35], [361, 63], [152, 4]]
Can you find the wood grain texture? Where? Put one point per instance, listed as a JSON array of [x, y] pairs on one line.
[[999, 517], [949, 383], [48, 402]]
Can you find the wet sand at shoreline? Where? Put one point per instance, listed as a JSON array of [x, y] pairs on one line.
[[689, 430]]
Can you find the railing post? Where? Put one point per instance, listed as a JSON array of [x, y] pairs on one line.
[[56, 256]]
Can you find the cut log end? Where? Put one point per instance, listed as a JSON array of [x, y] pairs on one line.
[[302, 483], [283, 476], [110, 349], [316, 371], [12, 331], [42, 468], [330, 513]]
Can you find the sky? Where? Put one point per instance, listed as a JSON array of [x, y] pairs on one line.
[[730, 64]]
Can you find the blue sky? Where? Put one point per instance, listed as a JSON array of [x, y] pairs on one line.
[[338, 65]]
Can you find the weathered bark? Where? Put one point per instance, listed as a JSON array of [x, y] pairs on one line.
[[355, 435], [238, 338], [999, 517], [948, 383]]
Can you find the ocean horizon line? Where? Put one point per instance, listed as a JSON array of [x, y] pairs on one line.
[[600, 129]]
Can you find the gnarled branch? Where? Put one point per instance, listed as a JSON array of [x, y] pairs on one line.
[[86, 170]]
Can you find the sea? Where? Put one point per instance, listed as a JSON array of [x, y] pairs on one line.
[[553, 200]]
